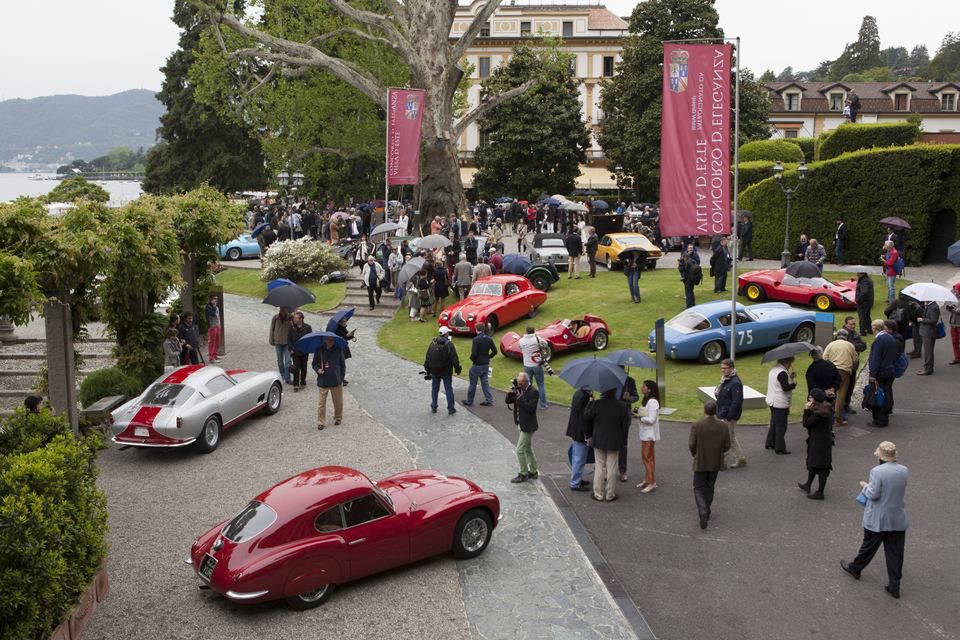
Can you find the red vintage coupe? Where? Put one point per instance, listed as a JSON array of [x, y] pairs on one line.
[[327, 526], [497, 300], [562, 335], [777, 284]]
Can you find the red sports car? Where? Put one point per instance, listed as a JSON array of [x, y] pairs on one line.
[[497, 300], [327, 526], [777, 284], [562, 335]]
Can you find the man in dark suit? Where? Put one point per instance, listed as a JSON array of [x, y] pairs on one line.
[[576, 431], [709, 440], [745, 237], [524, 398], [864, 298], [883, 355], [927, 319], [608, 423], [840, 240], [884, 519]]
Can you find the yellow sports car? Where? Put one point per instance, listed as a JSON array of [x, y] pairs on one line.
[[614, 244]]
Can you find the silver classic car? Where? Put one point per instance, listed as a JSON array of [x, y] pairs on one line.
[[192, 405], [549, 247]]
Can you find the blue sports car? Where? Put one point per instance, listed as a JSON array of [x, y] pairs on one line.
[[243, 246], [702, 332]]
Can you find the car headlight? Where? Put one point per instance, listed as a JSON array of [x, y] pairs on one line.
[[470, 317], [444, 316]]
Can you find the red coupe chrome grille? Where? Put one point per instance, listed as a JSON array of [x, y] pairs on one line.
[[456, 320]]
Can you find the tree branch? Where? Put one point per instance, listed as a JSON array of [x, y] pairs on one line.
[[343, 153], [383, 24], [356, 32], [461, 46], [491, 102]]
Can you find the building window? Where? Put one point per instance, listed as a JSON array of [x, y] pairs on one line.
[[900, 101], [483, 67], [568, 29], [948, 102], [607, 66], [525, 28], [836, 102], [484, 138], [792, 101], [791, 133], [485, 30]]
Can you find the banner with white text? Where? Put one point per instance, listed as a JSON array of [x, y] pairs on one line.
[[695, 140], [404, 116]]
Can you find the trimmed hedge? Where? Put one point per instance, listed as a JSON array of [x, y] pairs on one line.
[[108, 382], [807, 145], [913, 183], [851, 137], [53, 522], [754, 172], [771, 150]]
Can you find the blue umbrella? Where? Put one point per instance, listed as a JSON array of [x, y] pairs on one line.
[[953, 253], [364, 207], [503, 199], [600, 204], [516, 263], [593, 374], [312, 341], [279, 282], [258, 229], [631, 358], [551, 202], [343, 314]]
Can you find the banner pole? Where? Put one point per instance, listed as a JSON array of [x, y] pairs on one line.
[[736, 207], [386, 161]]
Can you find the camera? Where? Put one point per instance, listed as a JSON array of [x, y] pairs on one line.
[[426, 375]]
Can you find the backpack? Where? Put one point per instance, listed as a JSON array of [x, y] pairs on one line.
[[900, 365], [438, 356], [898, 265], [696, 273]]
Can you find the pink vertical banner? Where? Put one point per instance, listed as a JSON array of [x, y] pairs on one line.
[[404, 116], [695, 190]]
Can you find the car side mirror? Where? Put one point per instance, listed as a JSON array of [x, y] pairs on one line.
[[776, 284]]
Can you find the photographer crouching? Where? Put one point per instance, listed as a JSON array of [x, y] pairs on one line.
[[524, 399]]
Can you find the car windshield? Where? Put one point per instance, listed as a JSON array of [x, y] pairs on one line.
[[688, 322], [167, 395], [487, 289], [631, 240], [804, 282], [552, 242], [254, 519]]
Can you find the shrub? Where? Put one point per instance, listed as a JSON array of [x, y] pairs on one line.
[[807, 145], [851, 137], [771, 150], [753, 172], [302, 259], [913, 183], [107, 382], [53, 524], [142, 355]]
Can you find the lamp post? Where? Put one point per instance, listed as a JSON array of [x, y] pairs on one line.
[[619, 172], [283, 178], [778, 174], [296, 180]]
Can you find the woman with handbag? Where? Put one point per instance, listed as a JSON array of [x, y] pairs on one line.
[[816, 420], [649, 434]]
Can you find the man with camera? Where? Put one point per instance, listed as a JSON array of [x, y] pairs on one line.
[[531, 346], [524, 399], [439, 363]]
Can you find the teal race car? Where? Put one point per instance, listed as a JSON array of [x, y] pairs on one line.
[[702, 332]]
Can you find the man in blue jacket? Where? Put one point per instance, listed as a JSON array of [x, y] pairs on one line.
[[481, 351], [883, 355], [729, 394], [884, 518], [329, 365]]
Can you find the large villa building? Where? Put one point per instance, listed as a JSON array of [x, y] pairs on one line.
[[589, 31]]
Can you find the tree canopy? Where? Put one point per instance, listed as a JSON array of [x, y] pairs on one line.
[[946, 63], [537, 142], [862, 54], [72, 189]]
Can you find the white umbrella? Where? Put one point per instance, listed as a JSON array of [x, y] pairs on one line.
[[929, 292], [433, 241], [573, 206], [386, 227]]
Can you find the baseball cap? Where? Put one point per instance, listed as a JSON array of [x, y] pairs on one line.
[[444, 330]]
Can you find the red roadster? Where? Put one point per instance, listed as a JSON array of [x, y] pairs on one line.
[[562, 335], [331, 525], [497, 300], [777, 284]]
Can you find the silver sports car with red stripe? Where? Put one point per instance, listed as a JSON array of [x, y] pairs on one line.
[[193, 405]]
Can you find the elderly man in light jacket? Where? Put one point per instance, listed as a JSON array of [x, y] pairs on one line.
[[884, 518]]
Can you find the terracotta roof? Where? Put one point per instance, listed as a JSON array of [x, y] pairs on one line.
[[602, 18], [875, 97]]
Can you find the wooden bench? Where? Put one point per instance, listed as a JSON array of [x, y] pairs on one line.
[[752, 399], [101, 409]]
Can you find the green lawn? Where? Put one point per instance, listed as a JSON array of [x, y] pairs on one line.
[[607, 296], [246, 282]]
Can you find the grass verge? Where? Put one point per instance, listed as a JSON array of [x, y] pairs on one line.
[[246, 282], [608, 297]]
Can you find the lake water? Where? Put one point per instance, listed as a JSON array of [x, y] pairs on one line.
[[14, 185]]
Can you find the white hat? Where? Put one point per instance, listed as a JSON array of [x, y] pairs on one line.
[[493, 249], [444, 330]]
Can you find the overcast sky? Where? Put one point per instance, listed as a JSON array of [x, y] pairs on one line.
[[101, 47]]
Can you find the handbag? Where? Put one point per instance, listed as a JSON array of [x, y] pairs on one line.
[[861, 499], [591, 457], [941, 330]]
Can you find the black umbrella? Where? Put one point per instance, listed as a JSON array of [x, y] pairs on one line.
[[803, 269], [631, 358], [640, 253], [786, 351], [408, 270], [892, 221], [593, 374], [745, 213], [291, 295]]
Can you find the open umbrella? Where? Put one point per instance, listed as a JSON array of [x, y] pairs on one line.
[[600, 204], [640, 252], [343, 314], [433, 241], [364, 207], [953, 253], [408, 270], [312, 341], [803, 269], [503, 199], [340, 215], [291, 295], [585, 192], [745, 213], [516, 263], [279, 282], [386, 227], [593, 374], [786, 351], [569, 205], [631, 358], [929, 292], [551, 202], [898, 223], [257, 230], [377, 203]]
